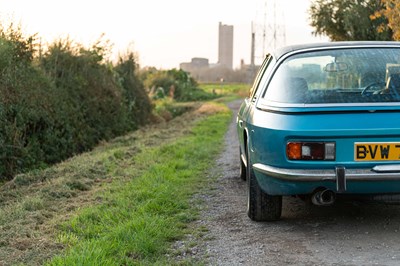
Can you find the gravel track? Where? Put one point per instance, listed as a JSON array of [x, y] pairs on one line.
[[347, 233]]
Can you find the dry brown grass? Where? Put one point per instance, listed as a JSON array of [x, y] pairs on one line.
[[210, 108]]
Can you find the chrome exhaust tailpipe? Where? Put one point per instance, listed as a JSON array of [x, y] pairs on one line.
[[323, 197]]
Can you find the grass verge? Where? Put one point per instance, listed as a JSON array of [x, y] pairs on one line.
[[227, 91], [136, 221]]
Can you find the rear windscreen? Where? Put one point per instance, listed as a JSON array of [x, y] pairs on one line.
[[368, 75]]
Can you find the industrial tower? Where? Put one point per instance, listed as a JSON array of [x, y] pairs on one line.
[[268, 30], [225, 46]]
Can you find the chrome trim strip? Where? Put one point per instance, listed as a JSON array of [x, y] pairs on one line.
[[270, 104], [388, 168], [310, 175], [243, 158], [339, 45]]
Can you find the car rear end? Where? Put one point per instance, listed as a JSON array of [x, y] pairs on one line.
[[329, 120], [346, 152]]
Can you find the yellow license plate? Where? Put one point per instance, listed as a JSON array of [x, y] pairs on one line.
[[388, 151]]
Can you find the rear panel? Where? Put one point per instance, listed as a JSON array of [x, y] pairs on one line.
[[362, 139]]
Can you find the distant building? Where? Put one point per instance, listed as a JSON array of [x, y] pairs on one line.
[[201, 70], [197, 63], [225, 46]]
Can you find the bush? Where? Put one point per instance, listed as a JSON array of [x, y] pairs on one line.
[[176, 84], [136, 98], [62, 103], [168, 109], [26, 105], [92, 97]]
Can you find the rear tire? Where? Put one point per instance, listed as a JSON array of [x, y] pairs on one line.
[[260, 205]]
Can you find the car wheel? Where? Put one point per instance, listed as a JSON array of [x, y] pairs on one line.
[[242, 167], [260, 205]]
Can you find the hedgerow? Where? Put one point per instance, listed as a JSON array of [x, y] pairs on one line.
[[62, 102]]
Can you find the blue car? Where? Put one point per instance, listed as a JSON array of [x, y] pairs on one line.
[[322, 120]]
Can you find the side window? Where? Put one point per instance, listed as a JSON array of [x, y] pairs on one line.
[[261, 78], [258, 77]]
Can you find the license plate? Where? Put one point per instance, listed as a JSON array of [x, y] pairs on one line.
[[388, 151]]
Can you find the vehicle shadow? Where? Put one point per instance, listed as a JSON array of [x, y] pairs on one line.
[[367, 222], [346, 233]]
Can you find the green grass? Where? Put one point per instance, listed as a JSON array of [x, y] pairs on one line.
[[230, 91], [136, 220], [168, 108]]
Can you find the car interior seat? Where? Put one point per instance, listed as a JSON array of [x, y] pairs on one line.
[[296, 89], [393, 84]]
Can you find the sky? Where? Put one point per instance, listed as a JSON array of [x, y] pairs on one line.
[[165, 33]]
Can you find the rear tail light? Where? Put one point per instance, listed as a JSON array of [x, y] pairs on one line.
[[311, 151]]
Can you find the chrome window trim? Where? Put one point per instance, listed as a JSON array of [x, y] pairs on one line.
[[279, 60], [338, 47]]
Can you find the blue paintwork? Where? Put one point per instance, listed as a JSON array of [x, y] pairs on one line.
[[269, 133], [268, 130]]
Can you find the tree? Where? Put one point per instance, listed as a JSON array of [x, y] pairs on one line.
[[349, 20], [137, 100], [391, 12]]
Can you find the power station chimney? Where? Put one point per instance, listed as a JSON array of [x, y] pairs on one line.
[[253, 46], [225, 45]]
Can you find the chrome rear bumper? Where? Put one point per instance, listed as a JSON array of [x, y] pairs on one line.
[[340, 175]]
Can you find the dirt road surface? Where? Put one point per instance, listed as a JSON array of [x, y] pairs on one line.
[[348, 233]]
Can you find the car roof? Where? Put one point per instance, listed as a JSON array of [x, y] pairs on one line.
[[278, 53]]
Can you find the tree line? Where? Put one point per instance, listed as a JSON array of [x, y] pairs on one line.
[[351, 20]]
